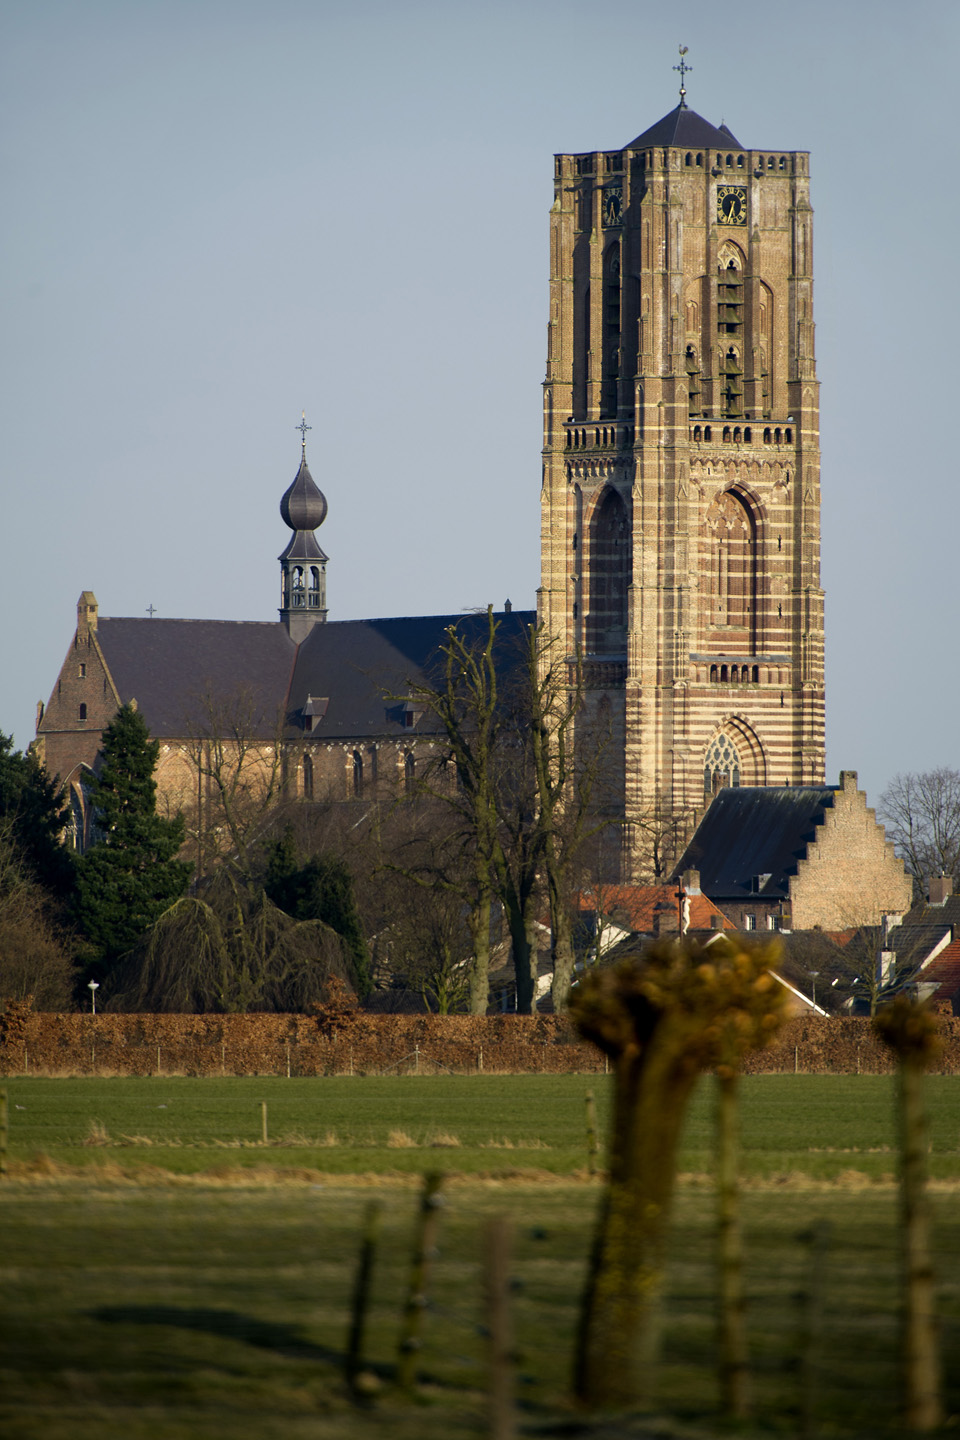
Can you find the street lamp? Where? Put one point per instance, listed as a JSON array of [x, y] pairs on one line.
[[94, 987]]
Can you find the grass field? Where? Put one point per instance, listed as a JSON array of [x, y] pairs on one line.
[[820, 1126], [198, 1285]]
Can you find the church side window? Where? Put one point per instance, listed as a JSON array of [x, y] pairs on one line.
[[357, 774], [409, 773], [307, 778], [721, 766]]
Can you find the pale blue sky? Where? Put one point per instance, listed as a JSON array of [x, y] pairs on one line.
[[218, 214]]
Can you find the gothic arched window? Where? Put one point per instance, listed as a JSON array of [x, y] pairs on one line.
[[357, 773], [610, 564], [307, 778], [732, 539], [409, 773], [721, 765]]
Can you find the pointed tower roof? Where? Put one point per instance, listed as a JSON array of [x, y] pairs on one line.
[[304, 505], [683, 127]]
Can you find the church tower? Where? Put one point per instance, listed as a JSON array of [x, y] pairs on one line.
[[303, 565], [681, 466]]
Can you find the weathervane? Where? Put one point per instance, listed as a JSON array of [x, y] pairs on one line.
[[303, 427], [683, 67]]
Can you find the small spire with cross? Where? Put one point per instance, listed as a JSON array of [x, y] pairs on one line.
[[151, 611], [683, 67], [303, 427]]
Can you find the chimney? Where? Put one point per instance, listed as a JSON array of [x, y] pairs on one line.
[[939, 888], [87, 612], [691, 882]]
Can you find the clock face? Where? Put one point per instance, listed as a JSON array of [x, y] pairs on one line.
[[612, 204], [731, 205]]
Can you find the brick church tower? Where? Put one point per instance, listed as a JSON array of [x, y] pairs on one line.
[[681, 479]]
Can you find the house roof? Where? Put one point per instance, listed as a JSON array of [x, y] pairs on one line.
[[943, 972], [749, 832], [181, 671], [635, 906], [684, 127]]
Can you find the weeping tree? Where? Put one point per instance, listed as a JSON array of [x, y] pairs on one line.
[[910, 1030], [230, 951], [679, 1009]]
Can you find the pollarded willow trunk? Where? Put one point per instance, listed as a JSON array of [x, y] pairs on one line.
[[911, 1032], [619, 1320], [921, 1358], [732, 1329]]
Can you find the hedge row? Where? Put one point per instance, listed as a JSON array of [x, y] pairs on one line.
[[339, 1042]]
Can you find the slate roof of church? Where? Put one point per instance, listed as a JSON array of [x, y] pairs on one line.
[[174, 667], [684, 127], [750, 831]]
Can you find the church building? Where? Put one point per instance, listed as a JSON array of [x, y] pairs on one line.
[[681, 463], [680, 523]]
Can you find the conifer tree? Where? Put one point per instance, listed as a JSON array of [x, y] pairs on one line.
[[131, 874]]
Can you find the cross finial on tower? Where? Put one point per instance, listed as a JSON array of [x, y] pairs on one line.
[[303, 427], [683, 67]]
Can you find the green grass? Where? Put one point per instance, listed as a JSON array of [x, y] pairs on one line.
[[153, 1312], [139, 1305], [819, 1126]]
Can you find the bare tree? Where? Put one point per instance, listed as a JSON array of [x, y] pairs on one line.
[[237, 754], [34, 960], [922, 816]]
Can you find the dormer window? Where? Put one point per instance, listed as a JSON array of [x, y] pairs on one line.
[[314, 711]]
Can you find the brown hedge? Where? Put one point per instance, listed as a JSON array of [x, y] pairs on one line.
[[338, 1042]]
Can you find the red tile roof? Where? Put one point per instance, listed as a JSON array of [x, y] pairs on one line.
[[634, 906]]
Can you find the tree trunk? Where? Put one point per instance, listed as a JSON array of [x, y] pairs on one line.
[[619, 1318], [524, 957], [563, 955], [734, 1395], [920, 1350], [480, 969]]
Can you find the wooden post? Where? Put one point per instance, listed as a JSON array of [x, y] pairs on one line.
[[158, 1059], [424, 1249], [361, 1294], [263, 1120], [734, 1379], [591, 1133], [288, 1059], [500, 1342], [921, 1353], [811, 1324], [4, 1131], [480, 1061]]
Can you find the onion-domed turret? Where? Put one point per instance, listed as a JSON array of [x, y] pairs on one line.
[[303, 565], [304, 506]]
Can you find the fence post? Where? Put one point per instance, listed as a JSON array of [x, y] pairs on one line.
[[4, 1131], [816, 1239], [361, 1297], [591, 1133], [500, 1345], [480, 1061], [424, 1251], [263, 1120]]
